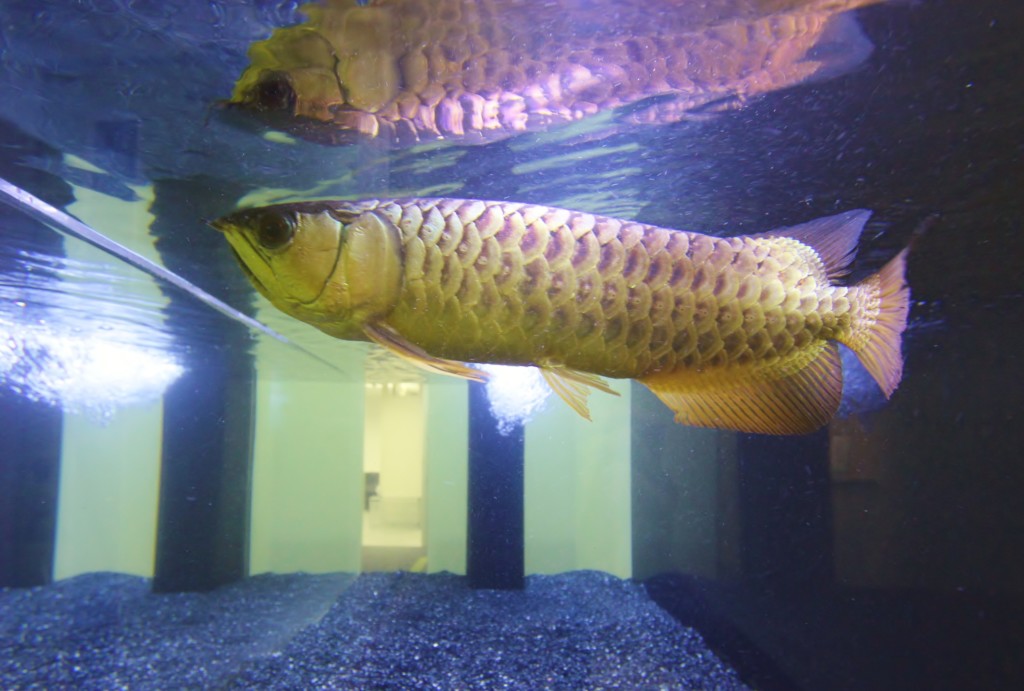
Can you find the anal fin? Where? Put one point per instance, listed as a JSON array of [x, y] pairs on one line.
[[796, 395], [574, 387], [393, 341]]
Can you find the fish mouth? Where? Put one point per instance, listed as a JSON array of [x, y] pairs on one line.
[[247, 271], [222, 226]]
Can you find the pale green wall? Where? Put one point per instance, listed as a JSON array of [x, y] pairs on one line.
[[125, 222], [307, 487], [397, 452], [577, 500], [109, 477], [447, 437], [307, 484]]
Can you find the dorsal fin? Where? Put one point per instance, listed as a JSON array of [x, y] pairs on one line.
[[834, 238]]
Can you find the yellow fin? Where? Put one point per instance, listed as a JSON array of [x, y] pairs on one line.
[[390, 339], [574, 387], [833, 238], [796, 395], [878, 345]]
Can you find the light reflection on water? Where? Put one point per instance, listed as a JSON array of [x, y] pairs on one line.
[[82, 335]]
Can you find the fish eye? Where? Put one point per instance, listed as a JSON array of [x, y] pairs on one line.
[[274, 231], [274, 92]]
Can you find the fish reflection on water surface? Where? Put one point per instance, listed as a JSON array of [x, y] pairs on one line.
[[737, 333], [481, 70]]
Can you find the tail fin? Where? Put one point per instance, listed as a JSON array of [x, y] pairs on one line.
[[876, 339]]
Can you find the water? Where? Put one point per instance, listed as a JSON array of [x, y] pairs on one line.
[[145, 433]]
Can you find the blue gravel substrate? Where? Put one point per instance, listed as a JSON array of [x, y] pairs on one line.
[[581, 630]]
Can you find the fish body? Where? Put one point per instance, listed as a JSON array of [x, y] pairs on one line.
[[404, 71], [737, 332]]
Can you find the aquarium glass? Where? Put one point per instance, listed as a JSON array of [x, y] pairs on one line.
[[199, 490]]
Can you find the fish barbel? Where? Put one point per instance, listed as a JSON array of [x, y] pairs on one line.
[[739, 333]]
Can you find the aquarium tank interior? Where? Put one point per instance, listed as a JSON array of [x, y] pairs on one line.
[[511, 344]]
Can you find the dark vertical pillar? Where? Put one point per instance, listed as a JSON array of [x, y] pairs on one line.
[[30, 437], [494, 554], [30, 448], [786, 510], [205, 476], [30, 432]]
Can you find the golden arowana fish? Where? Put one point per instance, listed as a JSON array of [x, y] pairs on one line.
[[481, 70], [738, 333]]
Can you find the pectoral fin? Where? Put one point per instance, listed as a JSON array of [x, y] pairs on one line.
[[796, 395], [574, 387], [392, 341]]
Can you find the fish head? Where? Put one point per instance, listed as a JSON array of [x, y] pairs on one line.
[[325, 80], [329, 264]]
